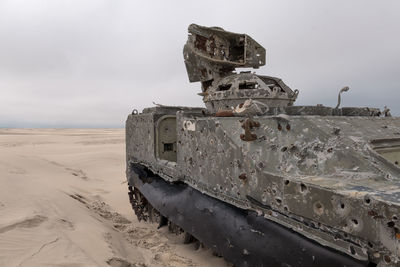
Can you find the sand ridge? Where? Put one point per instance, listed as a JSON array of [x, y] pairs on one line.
[[64, 202]]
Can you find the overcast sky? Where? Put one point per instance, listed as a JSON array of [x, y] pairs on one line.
[[89, 63]]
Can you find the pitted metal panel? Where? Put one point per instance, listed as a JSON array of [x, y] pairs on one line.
[[317, 175], [232, 90], [211, 52], [140, 137], [302, 168]]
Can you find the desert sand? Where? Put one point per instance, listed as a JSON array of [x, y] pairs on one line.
[[64, 202]]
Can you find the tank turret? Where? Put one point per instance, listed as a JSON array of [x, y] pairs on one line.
[[212, 55]]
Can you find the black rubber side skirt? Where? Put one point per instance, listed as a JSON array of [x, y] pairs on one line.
[[240, 236]]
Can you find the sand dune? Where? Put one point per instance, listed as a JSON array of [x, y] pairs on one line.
[[63, 202]]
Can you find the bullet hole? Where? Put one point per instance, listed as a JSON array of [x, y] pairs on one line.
[[318, 208], [396, 162], [342, 205], [390, 224], [288, 127], [370, 245], [243, 176], [367, 201], [278, 200], [329, 150], [260, 165], [286, 182], [283, 149], [279, 127], [394, 217], [354, 221], [285, 208], [303, 188], [387, 259], [352, 250]]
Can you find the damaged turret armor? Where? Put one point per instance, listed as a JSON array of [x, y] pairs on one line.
[[259, 180]]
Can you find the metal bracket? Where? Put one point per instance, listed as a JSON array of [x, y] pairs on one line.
[[247, 125]]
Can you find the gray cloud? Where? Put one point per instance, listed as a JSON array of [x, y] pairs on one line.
[[89, 63]]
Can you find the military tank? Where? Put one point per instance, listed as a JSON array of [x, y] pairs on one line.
[[259, 180]]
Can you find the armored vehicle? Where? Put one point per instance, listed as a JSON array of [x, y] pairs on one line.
[[259, 180]]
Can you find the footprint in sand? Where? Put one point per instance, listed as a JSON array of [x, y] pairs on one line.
[[26, 223]]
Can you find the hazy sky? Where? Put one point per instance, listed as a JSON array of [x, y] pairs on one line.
[[89, 63]]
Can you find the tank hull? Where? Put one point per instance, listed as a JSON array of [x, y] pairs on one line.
[[332, 179]]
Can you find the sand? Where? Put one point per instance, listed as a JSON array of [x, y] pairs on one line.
[[64, 202]]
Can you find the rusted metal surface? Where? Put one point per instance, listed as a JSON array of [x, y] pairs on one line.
[[248, 125], [329, 174], [224, 113]]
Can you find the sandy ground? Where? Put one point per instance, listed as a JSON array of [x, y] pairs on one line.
[[64, 202]]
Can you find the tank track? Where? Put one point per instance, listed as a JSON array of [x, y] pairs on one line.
[[144, 211], [140, 205]]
